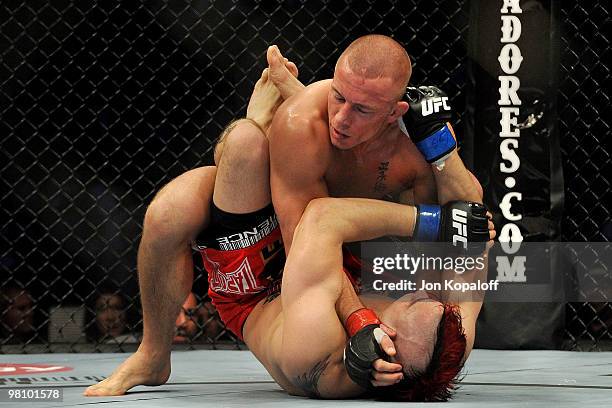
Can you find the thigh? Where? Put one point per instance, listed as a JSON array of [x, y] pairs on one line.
[[243, 172], [183, 205]]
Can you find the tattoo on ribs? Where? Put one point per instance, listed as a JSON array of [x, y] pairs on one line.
[[309, 381], [381, 186], [271, 296]]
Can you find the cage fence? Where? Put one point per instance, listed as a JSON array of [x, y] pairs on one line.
[[104, 102]]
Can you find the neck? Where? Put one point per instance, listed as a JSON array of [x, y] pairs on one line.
[[381, 145]]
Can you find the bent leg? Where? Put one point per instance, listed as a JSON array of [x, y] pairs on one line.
[[242, 184], [278, 82], [165, 273], [172, 221]]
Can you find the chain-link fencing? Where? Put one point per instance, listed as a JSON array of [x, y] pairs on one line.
[[585, 136], [104, 102]]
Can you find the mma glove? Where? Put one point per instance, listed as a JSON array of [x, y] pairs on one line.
[[363, 346], [427, 123], [459, 222]]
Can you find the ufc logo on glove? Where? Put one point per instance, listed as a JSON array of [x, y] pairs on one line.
[[460, 224], [432, 105]]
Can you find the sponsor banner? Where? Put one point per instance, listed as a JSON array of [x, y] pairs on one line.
[[18, 369], [46, 381], [13, 376], [512, 105], [507, 272]]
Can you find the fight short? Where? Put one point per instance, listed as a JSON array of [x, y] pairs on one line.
[[244, 257], [352, 265]]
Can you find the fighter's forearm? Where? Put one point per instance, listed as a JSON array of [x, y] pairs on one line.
[[325, 225], [360, 219], [454, 182]]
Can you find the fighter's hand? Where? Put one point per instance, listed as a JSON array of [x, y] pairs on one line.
[[492, 232], [365, 355], [428, 123], [386, 373]]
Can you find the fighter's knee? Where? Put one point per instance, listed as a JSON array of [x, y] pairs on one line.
[[243, 140], [173, 215], [159, 220]]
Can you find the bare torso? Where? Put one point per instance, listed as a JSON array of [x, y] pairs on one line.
[[383, 170]]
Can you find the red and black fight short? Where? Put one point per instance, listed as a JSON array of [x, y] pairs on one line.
[[244, 257]]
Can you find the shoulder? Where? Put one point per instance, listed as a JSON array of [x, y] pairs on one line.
[[308, 107], [416, 166], [301, 122]]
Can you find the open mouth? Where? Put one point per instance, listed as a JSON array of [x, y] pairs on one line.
[[339, 135]]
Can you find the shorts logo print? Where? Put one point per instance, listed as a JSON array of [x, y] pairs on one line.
[[240, 281]]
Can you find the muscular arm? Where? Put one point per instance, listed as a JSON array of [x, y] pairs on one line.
[[355, 219], [298, 161], [424, 188], [469, 303], [360, 219], [455, 182], [308, 299]]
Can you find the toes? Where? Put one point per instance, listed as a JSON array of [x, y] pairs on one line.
[[92, 392], [273, 55], [292, 68], [96, 391]]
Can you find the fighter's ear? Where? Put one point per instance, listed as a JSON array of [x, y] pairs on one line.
[[398, 110]]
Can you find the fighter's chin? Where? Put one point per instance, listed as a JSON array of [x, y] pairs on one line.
[[340, 140], [339, 145]]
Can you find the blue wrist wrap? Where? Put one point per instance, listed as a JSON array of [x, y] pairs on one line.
[[437, 144], [427, 225]]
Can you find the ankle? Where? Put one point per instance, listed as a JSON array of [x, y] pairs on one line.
[[154, 352]]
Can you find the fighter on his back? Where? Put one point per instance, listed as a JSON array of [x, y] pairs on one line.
[[338, 137], [343, 138]]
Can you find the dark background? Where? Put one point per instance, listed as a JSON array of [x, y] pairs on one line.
[[103, 102]]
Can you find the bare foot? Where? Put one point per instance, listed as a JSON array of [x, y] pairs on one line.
[[283, 73], [264, 101], [138, 369]]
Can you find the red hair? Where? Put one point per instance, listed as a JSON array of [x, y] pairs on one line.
[[439, 380]]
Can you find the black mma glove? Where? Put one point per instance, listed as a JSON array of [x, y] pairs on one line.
[[362, 348], [459, 222], [427, 123]]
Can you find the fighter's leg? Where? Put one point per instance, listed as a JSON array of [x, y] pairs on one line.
[[283, 73], [242, 158], [266, 97], [243, 174], [165, 272]]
